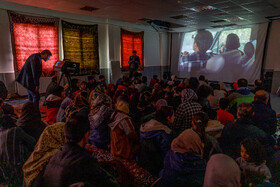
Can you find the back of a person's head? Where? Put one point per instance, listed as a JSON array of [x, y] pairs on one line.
[[164, 76], [201, 78], [242, 83], [54, 79], [57, 91], [6, 122], [245, 111], [155, 76], [258, 83], [232, 42], [144, 79], [216, 86], [203, 40], [261, 95], [193, 83], [101, 77], [203, 91], [164, 112], [75, 128], [249, 49], [255, 150], [224, 103], [90, 78], [200, 119]]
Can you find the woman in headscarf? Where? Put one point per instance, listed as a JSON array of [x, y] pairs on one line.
[[155, 140], [50, 142], [99, 89], [222, 170], [79, 106], [99, 117], [124, 140], [184, 164], [186, 110], [30, 120], [60, 114], [15, 147]]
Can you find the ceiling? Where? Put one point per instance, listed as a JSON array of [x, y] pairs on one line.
[[192, 14]]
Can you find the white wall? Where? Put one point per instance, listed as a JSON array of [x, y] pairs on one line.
[[272, 58], [109, 39]]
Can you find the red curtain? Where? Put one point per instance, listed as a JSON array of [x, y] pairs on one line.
[[132, 41], [33, 35]]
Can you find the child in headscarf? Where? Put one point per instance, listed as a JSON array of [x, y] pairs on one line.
[[184, 164], [124, 140]]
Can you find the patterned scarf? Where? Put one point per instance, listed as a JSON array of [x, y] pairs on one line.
[[50, 142]]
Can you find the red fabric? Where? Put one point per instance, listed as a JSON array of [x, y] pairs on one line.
[[51, 115], [34, 38], [225, 117], [132, 41]]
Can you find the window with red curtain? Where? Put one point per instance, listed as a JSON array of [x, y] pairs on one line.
[[132, 41], [32, 35]]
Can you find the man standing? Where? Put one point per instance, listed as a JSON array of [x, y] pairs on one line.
[[134, 62], [30, 74]]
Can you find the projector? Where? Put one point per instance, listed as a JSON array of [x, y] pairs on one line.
[[67, 67]]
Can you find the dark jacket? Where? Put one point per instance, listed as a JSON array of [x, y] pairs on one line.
[[31, 72], [265, 117], [183, 170], [234, 133], [153, 147], [73, 164]]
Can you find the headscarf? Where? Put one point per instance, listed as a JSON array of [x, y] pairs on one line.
[[79, 103], [30, 113], [160, 103], [222, 170], [99, 89], [188, 142], [101, 110], [51, 141], [188, 95], [122, 105]]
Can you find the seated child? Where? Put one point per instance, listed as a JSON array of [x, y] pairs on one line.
[[222, 115], [252, 164]]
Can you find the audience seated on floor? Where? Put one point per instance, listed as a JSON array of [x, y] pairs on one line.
[[135, 134], [244, 127], [15, 147], [264, 117], [73, 163], [30, 120]]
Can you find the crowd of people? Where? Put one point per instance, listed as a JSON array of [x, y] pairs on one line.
[[134, 133]]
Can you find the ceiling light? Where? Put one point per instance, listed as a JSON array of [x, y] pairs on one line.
[[203, 8]]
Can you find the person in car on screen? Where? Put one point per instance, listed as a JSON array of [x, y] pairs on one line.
[[197, 60]]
